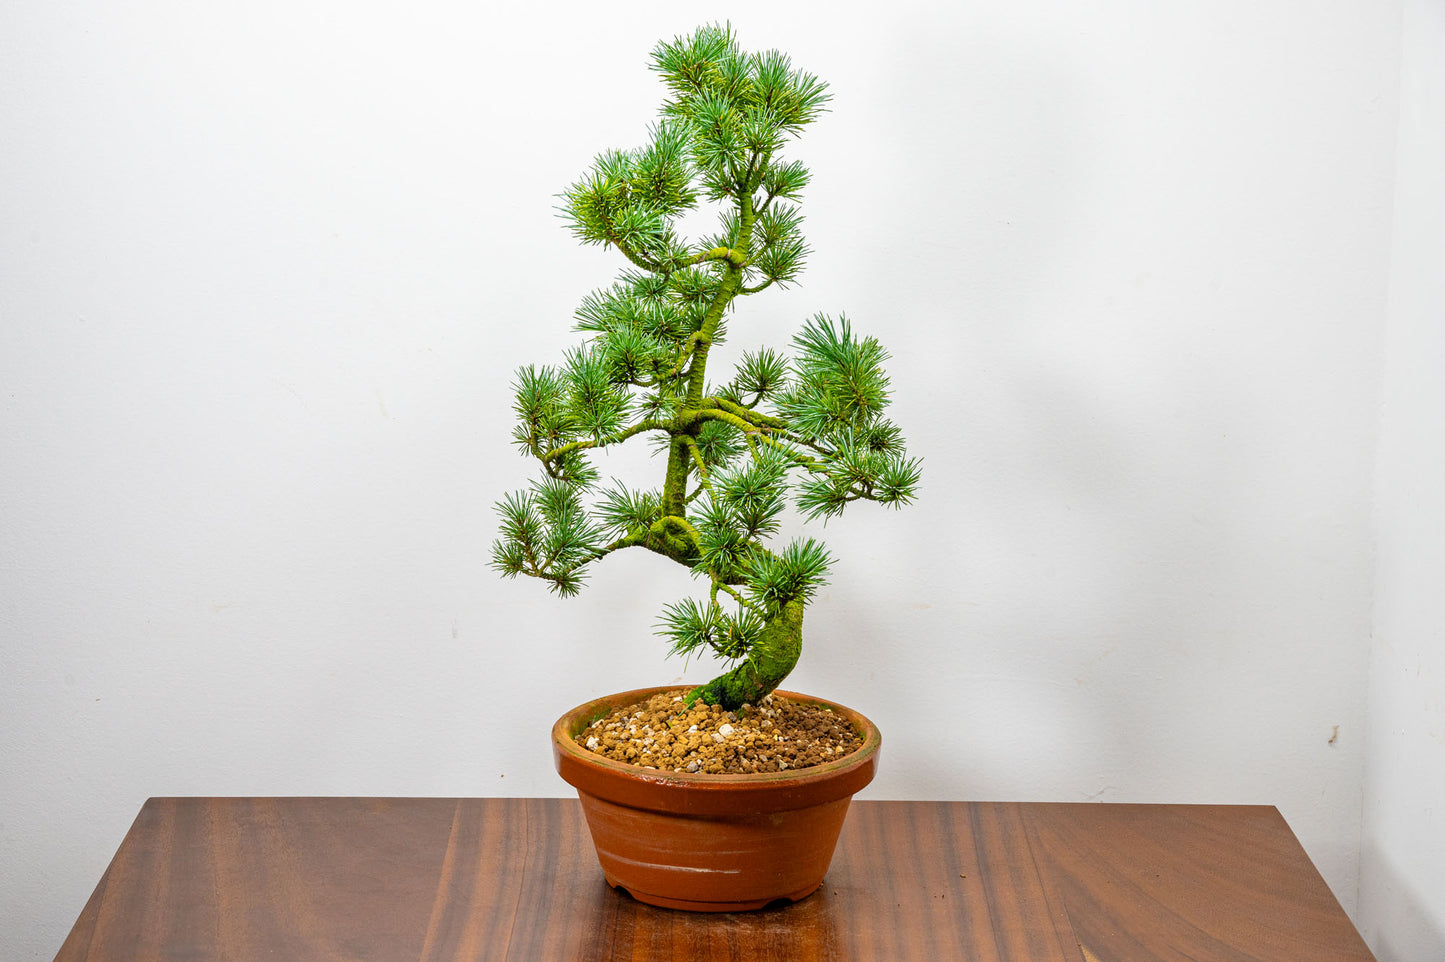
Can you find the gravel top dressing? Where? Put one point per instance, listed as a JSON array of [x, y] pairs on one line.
[[778, 735]]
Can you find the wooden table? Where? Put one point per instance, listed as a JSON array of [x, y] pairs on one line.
[[429, 879]]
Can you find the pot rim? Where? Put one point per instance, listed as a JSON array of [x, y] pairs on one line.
[[661, 790]]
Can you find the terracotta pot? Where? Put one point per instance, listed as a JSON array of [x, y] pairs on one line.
[[711, 843]]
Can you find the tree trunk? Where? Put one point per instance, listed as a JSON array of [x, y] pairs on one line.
[[767, 664]]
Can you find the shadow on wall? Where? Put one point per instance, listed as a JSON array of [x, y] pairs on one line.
[[1405, 930]]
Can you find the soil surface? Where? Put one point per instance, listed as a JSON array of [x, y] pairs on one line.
[[777, 735]]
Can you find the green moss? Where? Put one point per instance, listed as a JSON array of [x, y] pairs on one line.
[[771, 659]]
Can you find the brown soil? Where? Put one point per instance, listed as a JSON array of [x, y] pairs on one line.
[[777, 735]]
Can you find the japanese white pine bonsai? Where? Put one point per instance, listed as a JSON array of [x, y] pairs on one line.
[[811, 425]]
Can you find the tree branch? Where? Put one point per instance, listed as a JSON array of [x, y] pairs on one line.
[[628, 541], [649, 425], [809, 443], [733, 257], [636, 258], [749, 415], [802, 460], [733, 592], [702, 475], [543, 569], [727, 417]]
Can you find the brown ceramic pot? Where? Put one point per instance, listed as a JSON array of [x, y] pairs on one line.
[[711, 843]]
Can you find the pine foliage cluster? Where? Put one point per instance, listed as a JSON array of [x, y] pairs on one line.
[[808, 429]]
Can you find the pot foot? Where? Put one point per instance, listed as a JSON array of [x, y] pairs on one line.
[[689, 905]]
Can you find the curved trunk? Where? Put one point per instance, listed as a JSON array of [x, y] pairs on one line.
[[767, 664]]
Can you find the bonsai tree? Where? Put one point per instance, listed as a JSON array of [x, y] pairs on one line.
[[811, 426]]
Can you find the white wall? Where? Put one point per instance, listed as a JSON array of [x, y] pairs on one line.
[[1402, 883], [265, 271]]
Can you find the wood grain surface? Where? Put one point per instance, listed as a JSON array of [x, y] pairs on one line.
[[322, 879]]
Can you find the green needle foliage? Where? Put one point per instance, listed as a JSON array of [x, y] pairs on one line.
[[810, 427]]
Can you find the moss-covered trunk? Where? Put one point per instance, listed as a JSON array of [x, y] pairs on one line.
[[767, 664]]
